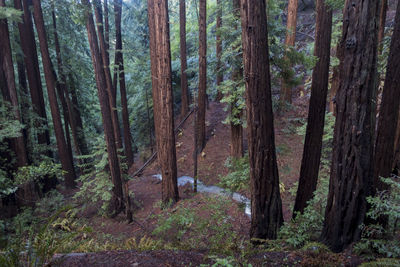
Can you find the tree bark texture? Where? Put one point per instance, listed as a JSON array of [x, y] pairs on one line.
[[184, 82], [316, 113], [28, 45], [117, 201], [266, 205], [388, 117], [220, 76], [65, 157], [119, 62], [286, 90], [382, 22], [8, 68], [201, 114], [160, 54], [352, 159]]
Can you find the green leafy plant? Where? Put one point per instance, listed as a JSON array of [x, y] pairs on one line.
[[239, 174]]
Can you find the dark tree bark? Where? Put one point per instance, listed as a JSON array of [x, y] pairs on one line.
[[184, 83], [106, 69], [28, 45], [220, 76], [117, 201], [106, 29], [388, 117], [160, 54], [119, 62], [266, 205], [382, 21], [201, 114], [237, 74], [286, 90], [396, 157], [8, 68], [65, 156], [316, 112], [352, 159]]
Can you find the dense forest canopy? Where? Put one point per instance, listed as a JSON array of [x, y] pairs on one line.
[[233, 128]]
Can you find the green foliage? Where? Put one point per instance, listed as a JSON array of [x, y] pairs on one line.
[[238, 177], [10, 127], [35, 173], [10, 14], [382, 262], [96, 183], [193, 226], [378, 241]]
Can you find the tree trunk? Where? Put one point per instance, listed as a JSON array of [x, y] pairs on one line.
[[28, 45], [201, 114], [162, 97], [8, 68], [352, 159], [388, 117], [396, 157], [106, 29], [382, 21], [220, 76], [286, 90], [316, 112], [266, 205], [117, 201], [236, 141], [106, 69], [119, 61], [65, 157], [184, 83]]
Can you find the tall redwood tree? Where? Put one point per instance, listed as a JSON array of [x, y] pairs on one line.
[[160, 55], [316, 112], [65, 156], [184, 82], [352, 158], [266, 205]]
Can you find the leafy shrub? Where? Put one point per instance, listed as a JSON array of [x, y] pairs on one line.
[[238, 177], [378, 240]]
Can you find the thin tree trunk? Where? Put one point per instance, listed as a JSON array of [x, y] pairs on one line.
[[28, 45], [117, 201], [65, 157], [396, 158], [352, 159], [316, 113], [201, 114], [382, 21], [184, 83], [220, 76], [266, 204], [388, 117], [119, 61], [162, 97], [286, 90], [8, 68], [106, 69], [106, 29]]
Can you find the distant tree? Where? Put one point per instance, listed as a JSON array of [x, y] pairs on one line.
[[266, 205], [184, 82], [160, 52], [119, 63], [220, 76], [7, 67], [352, 159], [63, 150], [286, 90], [316, 112], [117, 200], [382, 22], [201, 114], [28, 45], [388, 115]]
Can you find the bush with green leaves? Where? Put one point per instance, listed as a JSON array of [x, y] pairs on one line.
[[238, 177], [377, 240]]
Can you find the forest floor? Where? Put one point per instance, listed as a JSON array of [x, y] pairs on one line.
[[147, 195]]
